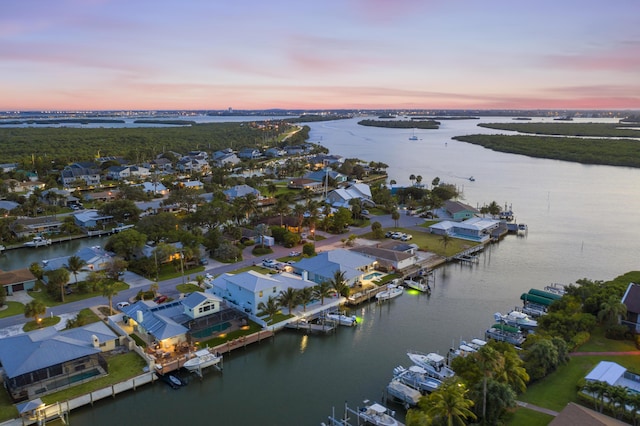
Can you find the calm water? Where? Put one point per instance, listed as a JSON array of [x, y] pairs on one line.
[[582, 223]]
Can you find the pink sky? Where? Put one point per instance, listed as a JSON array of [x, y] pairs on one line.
[[247, 54]]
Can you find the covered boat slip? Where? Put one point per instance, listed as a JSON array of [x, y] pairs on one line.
[[539, 297]]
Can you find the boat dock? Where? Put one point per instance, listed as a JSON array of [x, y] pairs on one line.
[[364, 295], [468, 256], [319, 325]]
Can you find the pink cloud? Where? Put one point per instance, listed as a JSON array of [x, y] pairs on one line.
[[624, 58]]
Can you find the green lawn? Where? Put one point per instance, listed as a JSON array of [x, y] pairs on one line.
[[430, 242], [42, 295], [13, 308], [526, 417]]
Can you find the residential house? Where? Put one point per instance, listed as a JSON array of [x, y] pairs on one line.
[[91, 219], [274, 152], [59, 197], [224, 157], [247, 290], [323, 266], [118, 172], [29, 226], [103, 196], [475, 229], [161, 164], [8, 167], [95, 259], [321, 176], [631, 299], [321, 161], [302, 183], [44, 361], [249, 154], [8, 205], [196, 185], [574, 414], [458, 211], [17, 280], [193, 165], [81, 171], [240, 191], [342, 196], [389, 260], [154, 188], [169, 324]]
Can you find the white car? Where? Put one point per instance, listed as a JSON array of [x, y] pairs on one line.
[[121, 305], [269, 263], [406, 237]]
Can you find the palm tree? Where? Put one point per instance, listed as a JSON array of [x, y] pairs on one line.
[[289, 298], [449, 404], [322, 290], [200, 280], [445, 240], [395, 215], [270, 308], [59, 278], [109, 290], [282, 207], [298, 212], [490, 361], [339, 283], [306, 295], [35, 309], [75, 264], [412, 178], [612, 309], [514, 372], [418, 180]]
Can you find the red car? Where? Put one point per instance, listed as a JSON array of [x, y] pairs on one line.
[[160, 299]]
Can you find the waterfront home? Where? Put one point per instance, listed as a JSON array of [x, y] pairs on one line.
[[91, 219], [95, 258], [614, 375], [321, 176], [247, 290], [458, 211], [303, 183], [17, 280], [169, 324], [47, 360], [390, 260], [88, 172], [29, 226], [342, 196], [475, 229], [631, 300], [323, 266], [59, 197]]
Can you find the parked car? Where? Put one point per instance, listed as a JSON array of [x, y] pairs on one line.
[[160, 299], [388, 234], [365, 212], [121, 305], [294, 253], [269, 263], [406, 237], [397, 235]]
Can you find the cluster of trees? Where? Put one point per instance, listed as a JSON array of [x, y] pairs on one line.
[[402, 124]]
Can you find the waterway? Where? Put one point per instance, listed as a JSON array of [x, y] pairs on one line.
[[582, 224]]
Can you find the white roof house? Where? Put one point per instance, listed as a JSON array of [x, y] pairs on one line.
[[475, 229], [247, 289], [340, 197]]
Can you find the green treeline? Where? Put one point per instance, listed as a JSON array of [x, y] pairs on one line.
[[611, 152], [401, 124], [569, 129], [66, 145]]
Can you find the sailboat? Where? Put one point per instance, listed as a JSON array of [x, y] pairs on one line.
[[413, 137]]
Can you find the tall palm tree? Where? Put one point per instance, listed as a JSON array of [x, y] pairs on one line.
[[298, 212], [109, 290], [74, 265], [445, 240], [289, 298], [490, 361], [35, 309], [322, 290], [514, 372], [270, 308], [339, 283], [200, 280], [612, 309], [412, 178], [282, 207], [306, 295], [449, 404], [395, 215]]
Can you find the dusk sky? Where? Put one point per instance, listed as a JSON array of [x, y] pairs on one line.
[[250, 54]]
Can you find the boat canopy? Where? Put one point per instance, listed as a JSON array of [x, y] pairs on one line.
[[546, 294], [538, 300], [506, 328]]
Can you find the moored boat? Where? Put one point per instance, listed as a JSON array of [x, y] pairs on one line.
[[416, 377], [505, 333], [517, 319], [342, 319], [203, 359], [378, 415], [433, 363], [417, 285], [407, 395], [38, 242], [391, 292]]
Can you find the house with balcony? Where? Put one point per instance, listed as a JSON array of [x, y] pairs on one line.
[[87, 172]]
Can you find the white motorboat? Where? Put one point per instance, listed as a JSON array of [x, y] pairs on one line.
[[516, 319], [417, 285], [522, 229], [203, 359], [38, 242], [407, 395], [417, 378], [391, 292], [378, 415], [505, 333], [433, 363], [342, 319]]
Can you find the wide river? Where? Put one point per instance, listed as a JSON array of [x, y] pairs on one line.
[[582, 223]]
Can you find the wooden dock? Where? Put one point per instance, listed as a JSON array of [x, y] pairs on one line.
[[313, 327]]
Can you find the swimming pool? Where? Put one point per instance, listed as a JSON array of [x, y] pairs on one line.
[[373, 276]]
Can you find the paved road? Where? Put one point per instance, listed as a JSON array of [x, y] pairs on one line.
[[168, 287]]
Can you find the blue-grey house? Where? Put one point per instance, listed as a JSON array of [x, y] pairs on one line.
[[323, 266]]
